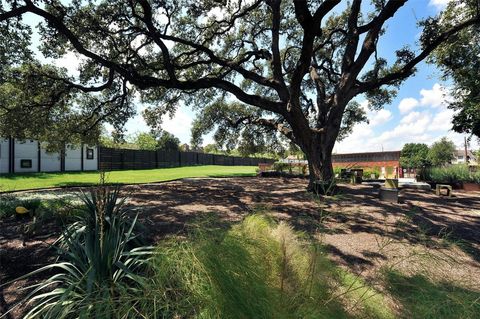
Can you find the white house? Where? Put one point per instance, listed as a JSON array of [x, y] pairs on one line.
[[23, 156], [459, 157]]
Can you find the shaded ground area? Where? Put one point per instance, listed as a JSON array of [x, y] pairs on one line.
[[423, 233]]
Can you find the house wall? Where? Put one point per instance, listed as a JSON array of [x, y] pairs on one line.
[[49, 162], [44, 161], [26, 150], [90, 164], [73, 159], [4, 155]]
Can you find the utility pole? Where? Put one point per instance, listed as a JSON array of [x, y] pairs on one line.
[[466, 151]]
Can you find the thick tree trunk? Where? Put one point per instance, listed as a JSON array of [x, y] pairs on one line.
[[319, 156]]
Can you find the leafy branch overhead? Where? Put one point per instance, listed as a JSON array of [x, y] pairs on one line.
[[289, 67]]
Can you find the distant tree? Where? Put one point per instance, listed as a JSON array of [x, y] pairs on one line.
[[184, 147], [106, 140], [477, 155], [145, 141], [458, 58], [442, 152], [296, 151], [212, 149], [414, 155], [168, 142]]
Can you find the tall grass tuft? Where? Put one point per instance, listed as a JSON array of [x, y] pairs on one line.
[[257, 269]]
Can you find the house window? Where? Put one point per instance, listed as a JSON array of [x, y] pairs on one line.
[[89, 153], [26, 163]]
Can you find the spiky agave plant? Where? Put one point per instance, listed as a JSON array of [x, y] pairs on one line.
[[99, 256]]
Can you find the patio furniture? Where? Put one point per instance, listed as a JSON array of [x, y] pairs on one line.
[[440, 187]]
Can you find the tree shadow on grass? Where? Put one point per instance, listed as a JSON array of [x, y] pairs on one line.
[[421, 298]]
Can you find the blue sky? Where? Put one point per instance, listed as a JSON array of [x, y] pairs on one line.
[[417, 114]]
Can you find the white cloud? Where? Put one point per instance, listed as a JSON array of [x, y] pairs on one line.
[[439, 4], [424, 120], [358, 141], [442, 121], [376, 117], [410, 117], [407, 104], [410, 128], [180, 125], [436, 97], [380, 117]]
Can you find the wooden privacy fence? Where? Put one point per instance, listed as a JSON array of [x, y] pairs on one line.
[[118, 159]]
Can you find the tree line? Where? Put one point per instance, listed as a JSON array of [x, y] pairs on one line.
[[420, 155]]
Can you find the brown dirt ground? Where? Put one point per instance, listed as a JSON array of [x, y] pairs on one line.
[[426, 233]]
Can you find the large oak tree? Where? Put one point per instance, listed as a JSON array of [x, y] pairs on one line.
[[294, 67]]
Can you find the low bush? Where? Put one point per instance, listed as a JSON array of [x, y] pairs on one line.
[[282, 167], [368, 172], [8, 204], [256, 269], [451, 174], [291, 168]]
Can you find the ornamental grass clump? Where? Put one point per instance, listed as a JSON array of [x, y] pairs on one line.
[[452, 174], [99, 258], [257, 269]]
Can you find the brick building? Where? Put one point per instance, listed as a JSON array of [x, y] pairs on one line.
[[387, 163]]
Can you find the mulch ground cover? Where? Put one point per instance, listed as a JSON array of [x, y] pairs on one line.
[[359, 231]]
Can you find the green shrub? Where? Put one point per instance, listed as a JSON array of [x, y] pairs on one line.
[[368, 172], [451, 174], [99, 258], [282, 167], [8, 203]]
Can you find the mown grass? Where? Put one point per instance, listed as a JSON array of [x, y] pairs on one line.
[[16, 182]]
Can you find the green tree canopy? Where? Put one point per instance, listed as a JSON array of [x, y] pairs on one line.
[[459, 59], [145, 141], [168, 142], [35, 105], [442, 152], [414, 155]]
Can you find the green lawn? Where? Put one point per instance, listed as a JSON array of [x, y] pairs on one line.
[[44, 180]]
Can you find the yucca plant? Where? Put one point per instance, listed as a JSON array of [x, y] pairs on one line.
[[99, 257]]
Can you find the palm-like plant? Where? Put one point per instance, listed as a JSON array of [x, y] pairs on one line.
[[99, 256]]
